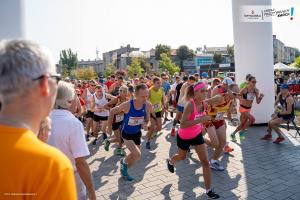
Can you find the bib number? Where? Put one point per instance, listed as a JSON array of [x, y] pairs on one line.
[[135, 121], [219, 116], [119, 118], [156, 106]]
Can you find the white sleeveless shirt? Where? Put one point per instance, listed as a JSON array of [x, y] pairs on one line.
[[100, 103], [87, 100]]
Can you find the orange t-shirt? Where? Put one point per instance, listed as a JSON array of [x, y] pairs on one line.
[[31, 169]]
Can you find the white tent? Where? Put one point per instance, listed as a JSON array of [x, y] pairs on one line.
[[282, 67]]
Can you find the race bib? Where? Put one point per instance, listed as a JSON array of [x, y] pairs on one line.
[[219, 116], [135, 121], [197, 117], [156, 106], [119, 118], [250, 96]]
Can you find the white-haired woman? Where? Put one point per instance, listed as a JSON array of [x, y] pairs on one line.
[[67, 134]]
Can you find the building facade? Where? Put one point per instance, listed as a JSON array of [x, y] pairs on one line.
[[283, 53], [96, 64], [115, 56]]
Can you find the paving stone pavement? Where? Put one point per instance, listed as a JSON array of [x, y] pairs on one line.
[[255, 170]]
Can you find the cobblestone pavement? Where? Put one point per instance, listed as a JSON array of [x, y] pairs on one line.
[[255, 170]]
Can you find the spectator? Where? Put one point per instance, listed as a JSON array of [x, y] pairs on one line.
[[28, 86], [44, 130], [110, 81], [278, 81], [68, 136], [292, 79]]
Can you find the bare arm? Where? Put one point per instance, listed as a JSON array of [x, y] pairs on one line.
[[92, 100], [259, 96], [289, 108], [85, 175], [110, 103], [122, 107]]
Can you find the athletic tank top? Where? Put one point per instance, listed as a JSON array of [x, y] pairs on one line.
[[283, 103], [192, 131], [249, 95], [89, 95], [100, 103], [155, 99], [133, 120]]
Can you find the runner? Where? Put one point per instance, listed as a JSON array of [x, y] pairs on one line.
[[173, 101], [136, 116], [166, 87], [117, 120], [98, 101], [114, 88], [284, 114], [87, 96], [247, 96], [157, 99], [216, 129], [181, 101], [190, 132]]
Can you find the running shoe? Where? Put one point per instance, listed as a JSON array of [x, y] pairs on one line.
[[242, 135], [95, 142], [212, 195], [278, 140], [104, 136], [124, 172], [106, 145], [267, 137], [170, 166], [148, 145], [233, 138], [228, 149], [173, 132], [216, 166], [120, 152]]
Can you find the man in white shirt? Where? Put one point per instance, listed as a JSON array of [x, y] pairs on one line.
[[67, 135]]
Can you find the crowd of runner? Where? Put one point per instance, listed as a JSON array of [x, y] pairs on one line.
[[120, 110]]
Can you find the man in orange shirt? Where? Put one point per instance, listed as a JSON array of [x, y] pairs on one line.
[[30, 169]]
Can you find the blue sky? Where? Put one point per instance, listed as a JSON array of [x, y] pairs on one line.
[[84, 25]]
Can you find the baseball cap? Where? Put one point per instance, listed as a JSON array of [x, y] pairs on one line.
[[204, 75], [284, 86], [227, 81]]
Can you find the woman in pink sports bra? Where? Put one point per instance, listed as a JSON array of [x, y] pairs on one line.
[[190, 132]]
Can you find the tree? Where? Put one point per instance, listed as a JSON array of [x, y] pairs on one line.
[[110, 69], [166, 64], [86, 73], [218, 58], [144, 64], [230, 51], [297, 62], [68, 60], [135, 68], [162, 48], [184, 53]]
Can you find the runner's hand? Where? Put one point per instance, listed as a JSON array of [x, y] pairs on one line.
[[205, 118], [145, 126]]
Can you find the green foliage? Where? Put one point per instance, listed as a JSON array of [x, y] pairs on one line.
[[109, 70], [68, 60], [135, 68], [86, 73], [184, 53], [297, 62], [218, 58], [162, 48], [166, 64], [230, 51]]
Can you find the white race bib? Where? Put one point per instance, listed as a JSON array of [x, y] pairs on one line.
[[156, 106], [197, 117], [135, 121], [219, 116], [119, 118]]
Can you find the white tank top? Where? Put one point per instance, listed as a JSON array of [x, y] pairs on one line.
[[100, 103], [87, 100]]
